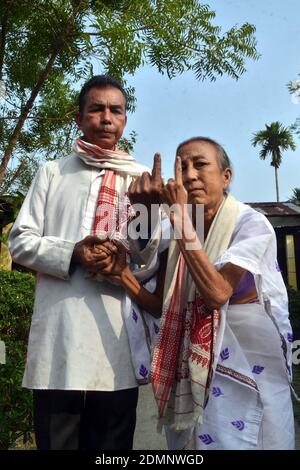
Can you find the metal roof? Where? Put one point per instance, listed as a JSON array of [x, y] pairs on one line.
[[276, 209]]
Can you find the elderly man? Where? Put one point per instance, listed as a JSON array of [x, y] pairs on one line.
[[79, 362]]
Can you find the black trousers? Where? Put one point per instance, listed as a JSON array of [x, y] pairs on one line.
[[73, 420]]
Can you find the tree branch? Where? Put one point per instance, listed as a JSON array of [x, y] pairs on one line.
[[36, 89], [16, 175], [143, 28], [2, 43], [37, 118], [16, 132]]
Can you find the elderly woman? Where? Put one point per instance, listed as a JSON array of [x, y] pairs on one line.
[[222, 362]]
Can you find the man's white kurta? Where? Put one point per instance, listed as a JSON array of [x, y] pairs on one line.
[[78, 340]]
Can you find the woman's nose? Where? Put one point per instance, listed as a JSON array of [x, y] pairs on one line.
[[190, 173]]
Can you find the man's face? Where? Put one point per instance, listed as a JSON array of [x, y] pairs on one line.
[[202, 177], [103, 118]]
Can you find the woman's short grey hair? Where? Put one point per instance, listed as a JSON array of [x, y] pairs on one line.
[[224, 160]]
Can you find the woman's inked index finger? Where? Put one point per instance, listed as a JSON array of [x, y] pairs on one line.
[[178, 170]]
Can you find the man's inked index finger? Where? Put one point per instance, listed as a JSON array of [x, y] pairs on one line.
[[178, 170], [156, 170]]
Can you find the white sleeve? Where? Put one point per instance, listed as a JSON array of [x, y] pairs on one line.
[[251, 239], [27, 243], [157, 243]]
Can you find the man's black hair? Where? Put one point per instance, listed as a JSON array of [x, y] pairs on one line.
[[98, 81]]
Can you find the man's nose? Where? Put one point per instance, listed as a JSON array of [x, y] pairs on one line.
[[106, 116]]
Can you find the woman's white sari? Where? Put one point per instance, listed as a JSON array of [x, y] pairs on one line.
[[249, 405]]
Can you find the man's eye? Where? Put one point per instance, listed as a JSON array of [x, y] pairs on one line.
[[95, 110]]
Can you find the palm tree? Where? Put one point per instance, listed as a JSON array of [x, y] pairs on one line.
[[296, 195], [274, 140]]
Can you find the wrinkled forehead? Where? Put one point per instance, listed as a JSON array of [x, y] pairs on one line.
[[105, 94], [199, 149]]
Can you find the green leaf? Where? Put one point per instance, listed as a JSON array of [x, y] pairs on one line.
[[120, 36]]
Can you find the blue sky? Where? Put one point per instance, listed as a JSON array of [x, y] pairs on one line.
[[227, 110]]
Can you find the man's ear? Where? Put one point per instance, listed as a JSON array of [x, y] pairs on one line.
[[78, 119]]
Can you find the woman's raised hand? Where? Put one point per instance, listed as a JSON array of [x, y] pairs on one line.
[[174, 191]]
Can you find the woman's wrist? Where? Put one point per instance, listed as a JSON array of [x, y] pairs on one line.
[[125, 274]]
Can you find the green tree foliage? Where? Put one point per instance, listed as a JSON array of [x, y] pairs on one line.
[[274, 139], [294, 89], [295, 196], [9, 208], [48, 48], [16, 305]]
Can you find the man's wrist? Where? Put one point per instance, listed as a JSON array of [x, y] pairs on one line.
[[75, 258]]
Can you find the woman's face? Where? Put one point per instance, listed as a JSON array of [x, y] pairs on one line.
[[203, 178]]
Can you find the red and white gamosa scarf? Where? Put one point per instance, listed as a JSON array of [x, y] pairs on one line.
[[184, 356]]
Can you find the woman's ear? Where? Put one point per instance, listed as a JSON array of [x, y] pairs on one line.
[[227, 176]]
